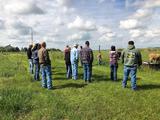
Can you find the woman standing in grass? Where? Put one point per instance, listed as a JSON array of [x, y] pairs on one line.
[[67, 61], [113, 55], [36, 61], [29, 55]]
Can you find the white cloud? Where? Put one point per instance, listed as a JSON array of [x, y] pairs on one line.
[[129, 24], [107, 36], [18, 25], [155, 32], [65, 6], [142, 13], [58, 21], [64, 2], [103, 30], [133, 3], [152, 3], [22, 7], [136, 33], [81, 24], [2, 24], [79, 36]]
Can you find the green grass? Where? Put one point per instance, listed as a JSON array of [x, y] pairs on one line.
[[23, 99]]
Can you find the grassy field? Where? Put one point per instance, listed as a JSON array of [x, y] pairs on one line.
[[21, 98]]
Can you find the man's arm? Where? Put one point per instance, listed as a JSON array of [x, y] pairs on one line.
[[77, 55], [139, 58], [122, 56], [91, 56]]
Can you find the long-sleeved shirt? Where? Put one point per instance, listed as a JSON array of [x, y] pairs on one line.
[[67, 56], [74, 55], [131, 56], [44, 57], [113, 55], [86, 55], [29, 53]]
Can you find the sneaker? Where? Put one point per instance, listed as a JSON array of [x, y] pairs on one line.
[[50, 88], [134, 89]]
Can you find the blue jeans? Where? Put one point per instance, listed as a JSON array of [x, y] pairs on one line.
[[87, 72], [68, 70], [31, 65], [36, 73], [113, 71], [46, 76], [75, 71], [132, 71]]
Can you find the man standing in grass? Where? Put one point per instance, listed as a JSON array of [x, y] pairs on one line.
[[74, 61], [68, 61], [131, 58], [45, 64], [87, 60], [113, 55], [29, 55]]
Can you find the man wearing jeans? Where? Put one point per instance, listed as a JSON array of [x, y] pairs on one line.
[[29, 55], [131, 58], [74, 61], [87, 59], [45, 64]]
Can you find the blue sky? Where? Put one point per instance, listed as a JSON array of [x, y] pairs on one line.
[[62, 22]]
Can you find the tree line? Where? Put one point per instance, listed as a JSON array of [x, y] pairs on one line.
[[10, 48]]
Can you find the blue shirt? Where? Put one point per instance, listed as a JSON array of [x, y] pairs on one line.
[[74, 55]]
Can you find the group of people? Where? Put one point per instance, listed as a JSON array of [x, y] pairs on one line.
[[39, 57], [72, 56], [131, 58], [39, 60]]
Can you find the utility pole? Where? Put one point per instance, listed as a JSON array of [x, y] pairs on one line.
[[99, 48], [31, 35]]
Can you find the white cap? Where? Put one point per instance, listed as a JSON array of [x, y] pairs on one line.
[[75, 45]]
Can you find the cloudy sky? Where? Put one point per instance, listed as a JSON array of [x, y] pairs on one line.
[[62, 22]]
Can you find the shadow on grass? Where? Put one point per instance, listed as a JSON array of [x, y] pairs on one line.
[[149, 87], [70, 85], [98, 78], [60, 78], [58, 73]]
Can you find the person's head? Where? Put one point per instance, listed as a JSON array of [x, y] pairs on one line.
[[76, 45], [67, 46], [113, 48], [39, 46], [81, 47], [43, 44], [30, 46], [131, 43], [87, 43]]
